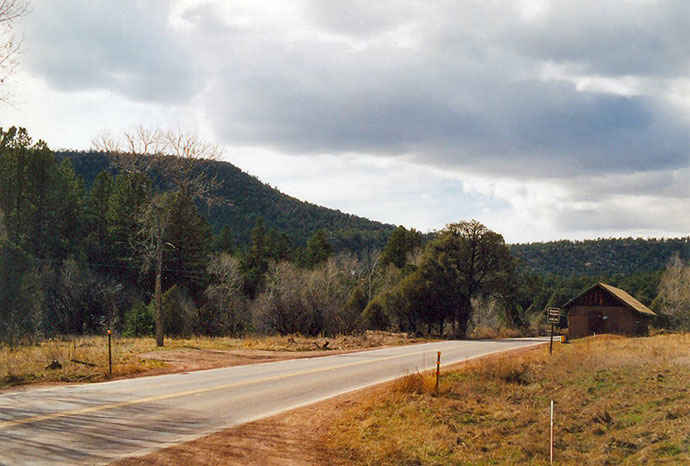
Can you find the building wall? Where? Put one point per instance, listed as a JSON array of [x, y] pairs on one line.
[[588, 320]]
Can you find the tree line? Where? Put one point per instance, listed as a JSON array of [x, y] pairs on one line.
[[603, 256], [252, 199], [136, 252]]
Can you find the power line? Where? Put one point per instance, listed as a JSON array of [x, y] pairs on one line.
[[119, 266]]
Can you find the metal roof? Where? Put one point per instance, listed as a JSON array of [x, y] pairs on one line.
[[619, 294]]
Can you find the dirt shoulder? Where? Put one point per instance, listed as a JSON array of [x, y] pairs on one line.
[[179, 360], [85, 359], [294, 437], [195, 359]]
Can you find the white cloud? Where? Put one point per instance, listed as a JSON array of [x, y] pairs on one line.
[[543, 119]]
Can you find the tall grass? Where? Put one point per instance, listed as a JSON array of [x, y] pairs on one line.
[[618, 401], [82, 359], [85, 359]]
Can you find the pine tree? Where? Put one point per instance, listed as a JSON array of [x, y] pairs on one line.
[[20, 293], [128, 202], [224, 241], [68, 210], [42, 194], [99, 250], [27, 192], [399, 245], [189, 237], [317, 251], [255, 260]]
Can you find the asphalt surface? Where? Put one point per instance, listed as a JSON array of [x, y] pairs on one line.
[[99, 423]]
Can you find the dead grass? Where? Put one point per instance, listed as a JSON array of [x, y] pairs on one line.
[[85, 359], [618, 401], [480, 333]]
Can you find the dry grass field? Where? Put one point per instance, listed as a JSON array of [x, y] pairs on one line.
[[85, 359], [618, 401]]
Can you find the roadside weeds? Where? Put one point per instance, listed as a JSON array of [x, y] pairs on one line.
[[618, 401], [85, 359]]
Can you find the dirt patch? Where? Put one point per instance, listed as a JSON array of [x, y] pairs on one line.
[[295, 437], [194, 359], [286, 439], [186, 360]]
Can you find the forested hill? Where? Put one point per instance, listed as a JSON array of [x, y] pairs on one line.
[[624, 256], [250, 199]]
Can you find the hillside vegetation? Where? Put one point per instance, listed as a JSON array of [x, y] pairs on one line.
[[625, 256], [250, 199], [187, 245]]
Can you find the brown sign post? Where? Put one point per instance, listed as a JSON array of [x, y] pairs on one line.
[[110, 355], [553, 316]]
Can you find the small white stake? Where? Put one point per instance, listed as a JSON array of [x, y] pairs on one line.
[[551, 441]]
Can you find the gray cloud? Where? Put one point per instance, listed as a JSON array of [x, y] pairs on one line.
[[454, 85], [327, 98], [616, 217], [115, 46], [611, 38], [664, 185]]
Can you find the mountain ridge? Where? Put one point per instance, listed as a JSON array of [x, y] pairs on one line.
[[251, 198]]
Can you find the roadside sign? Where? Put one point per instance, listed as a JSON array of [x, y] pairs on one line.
[[553, 315]]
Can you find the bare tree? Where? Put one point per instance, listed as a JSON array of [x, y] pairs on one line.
[[226, 300], [10, 44], [279, 307], [674, 293], [310, 301], [181, 160], [135, 151]]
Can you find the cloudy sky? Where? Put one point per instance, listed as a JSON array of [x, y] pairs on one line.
[[542, 119]]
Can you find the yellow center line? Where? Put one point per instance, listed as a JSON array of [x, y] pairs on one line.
[[150, 399]]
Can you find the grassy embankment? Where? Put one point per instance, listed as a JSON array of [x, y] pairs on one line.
[[26, 364], [618, 401]]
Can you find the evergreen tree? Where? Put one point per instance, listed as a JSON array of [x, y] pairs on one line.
[[317, 251], [68, 214], [15, 146], [467, 260], [255, 260], [97, 218], [480, 257], [128, 202], [28, 192], [189, 237], [20, 294], [375, 317], [43, 195], [224, 242], [399, 245], [279, 246], [352, 310]]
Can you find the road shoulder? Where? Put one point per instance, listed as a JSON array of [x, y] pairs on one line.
[[294, 437]]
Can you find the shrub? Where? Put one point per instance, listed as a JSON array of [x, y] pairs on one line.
[[139, 321], [178, 311], [375, 317]]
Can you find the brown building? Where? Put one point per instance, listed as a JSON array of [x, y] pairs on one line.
[[606, 309]]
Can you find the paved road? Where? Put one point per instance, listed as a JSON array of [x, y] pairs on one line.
[[97, 423]]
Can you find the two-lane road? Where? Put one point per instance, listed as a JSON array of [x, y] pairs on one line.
[[98, 423]]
